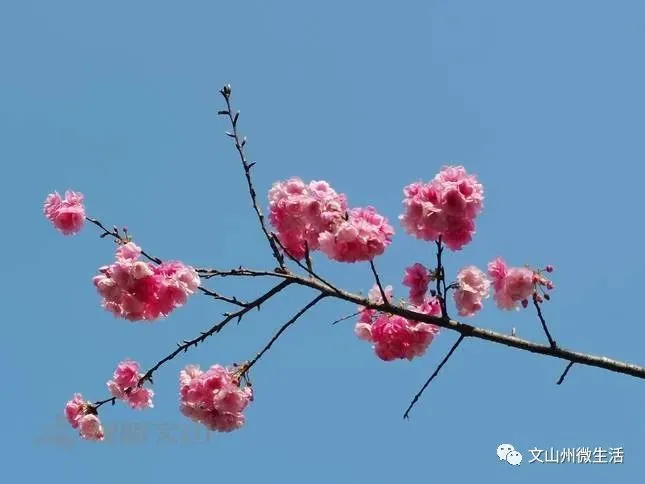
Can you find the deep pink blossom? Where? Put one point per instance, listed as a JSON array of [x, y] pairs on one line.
[[214, 398], [445, 207], [301, 212], [124, 385], [138, 290], [395, 337], [473, 288], [417, 277], [363, 236], [68, 214]]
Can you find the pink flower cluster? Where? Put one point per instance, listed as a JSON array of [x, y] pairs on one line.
[[137, 290], [395, 337], [445, 207], [514, 285], [364, 235], [473, 287], [301, 212], [214, 398], [82, 416], [124, 385], [314, 216], [417, 278], [68, 214]]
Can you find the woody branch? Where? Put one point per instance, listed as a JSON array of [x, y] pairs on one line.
[[326, 289]]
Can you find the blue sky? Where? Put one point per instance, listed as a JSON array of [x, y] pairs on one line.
[[543, 100]]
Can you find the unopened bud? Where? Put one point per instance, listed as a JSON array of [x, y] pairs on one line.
[[549, 268]]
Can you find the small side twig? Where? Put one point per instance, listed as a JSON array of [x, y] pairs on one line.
[[441, 280], [564, 373], [239, 146], [344, 318], [386, 302], [433, 376], [544, 327], [282, 329]]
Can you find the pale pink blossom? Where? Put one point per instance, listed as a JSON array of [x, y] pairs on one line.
[[138, 290], [75, 409], [82, 416], [445, 208], [417, 277], [515, 285], [124, 385], [90, 427], [301, 212], [364, 235], [473, 287], [68, 214], [214, 398]]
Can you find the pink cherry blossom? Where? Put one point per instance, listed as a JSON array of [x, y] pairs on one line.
[[82, 416], [417, 277], [90, 427], [364, 235], [395, 337], [214, 398], [75, 409], [515, 285], [301, 212], [138, 290], [124, 385], [68, 214], [473, 288], [445, 208]]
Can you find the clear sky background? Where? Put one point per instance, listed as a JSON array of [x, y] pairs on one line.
[[542, 100]]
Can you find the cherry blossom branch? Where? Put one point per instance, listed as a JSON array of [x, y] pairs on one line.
[[239, 146], [564, 373], [406, 415], [267, 347], [156, 260], [465, 329], [544, 327]]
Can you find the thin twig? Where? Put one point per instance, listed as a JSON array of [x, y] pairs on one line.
[[239, 146], [564, 373], [378, 283], [440, 278], [275, 337], [432, 377], [111, 400], [544, 327], [344, 318]]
